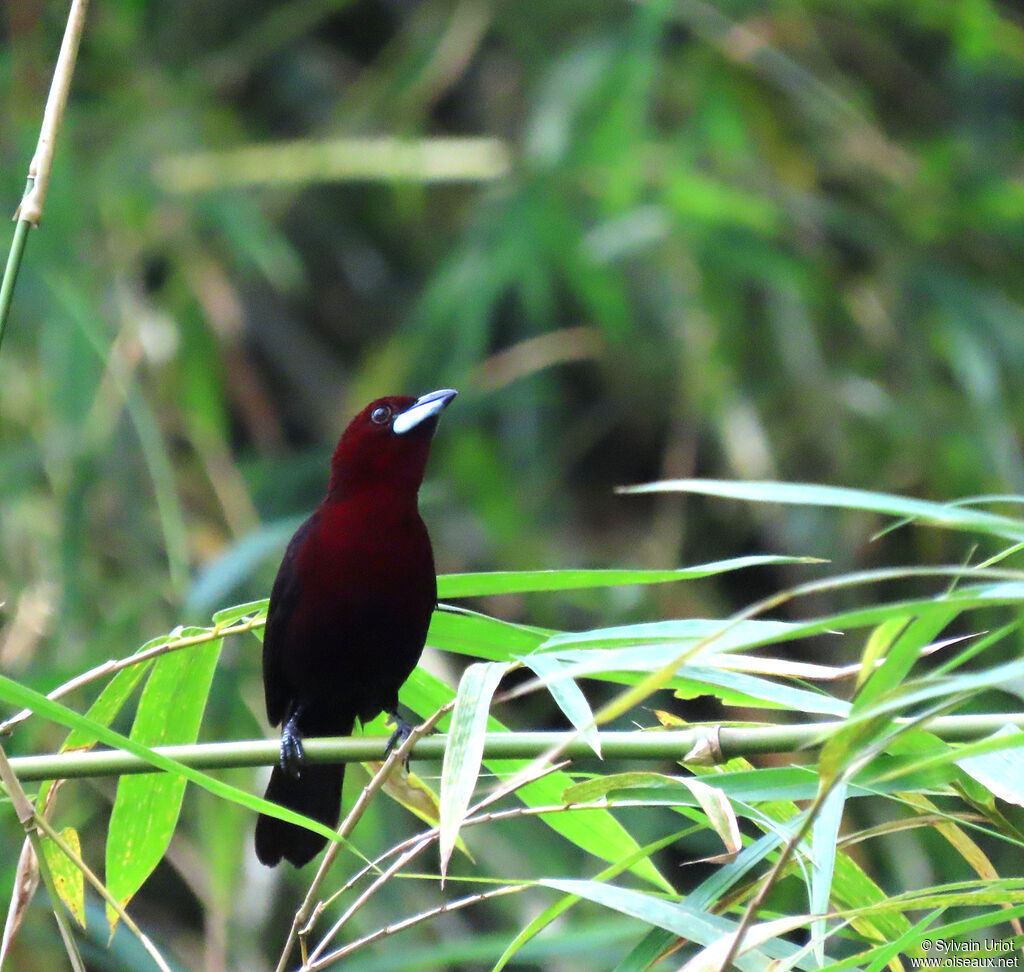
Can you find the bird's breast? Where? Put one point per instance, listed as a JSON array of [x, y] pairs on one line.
[[367, 591]]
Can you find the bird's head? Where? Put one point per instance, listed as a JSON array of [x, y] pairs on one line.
[[387, 443]]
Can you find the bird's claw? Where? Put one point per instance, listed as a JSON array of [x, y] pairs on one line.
[[402, 732], [292, 753]]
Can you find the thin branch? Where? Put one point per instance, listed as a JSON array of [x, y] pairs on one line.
[[398, 926], [432, 833], [113, 666], [301, 924], [101, 889], [420, 844], [29, 820]]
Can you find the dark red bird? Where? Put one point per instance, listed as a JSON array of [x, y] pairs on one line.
[[349, 610]]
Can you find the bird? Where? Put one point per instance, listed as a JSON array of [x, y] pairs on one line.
[[349, 611]]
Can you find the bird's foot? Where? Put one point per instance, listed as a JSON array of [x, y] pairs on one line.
[[402, 732], [292, 753]]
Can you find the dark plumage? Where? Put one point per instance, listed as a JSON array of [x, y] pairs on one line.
[[349, 610]]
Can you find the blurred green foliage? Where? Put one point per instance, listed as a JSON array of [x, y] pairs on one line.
[[740, 240]]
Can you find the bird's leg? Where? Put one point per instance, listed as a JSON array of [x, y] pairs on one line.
[[292, 754], [402, 732]]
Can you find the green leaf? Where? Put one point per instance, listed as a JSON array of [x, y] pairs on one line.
[[811, 494], [910, 939], [653, 946], [147, 806], [905, 638], [689, 679], [899, 642], [524, 581], [884, 774], [737, 688], [709, 635], [469, 633], [1000, 771], [108, 703], [229, 615], [68, 879], [465, 747], [824, 835], [675, 916], [569, 697], [877, 647], [948, 687]]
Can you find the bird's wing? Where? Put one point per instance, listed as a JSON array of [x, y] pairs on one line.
[[284, 597]]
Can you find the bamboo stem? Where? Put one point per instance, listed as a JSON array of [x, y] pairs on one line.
[[30, 210], [656, 744]]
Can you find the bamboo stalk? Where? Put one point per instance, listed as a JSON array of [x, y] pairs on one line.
[[30, 210], [724, 742]]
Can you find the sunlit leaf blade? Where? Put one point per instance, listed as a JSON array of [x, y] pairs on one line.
[[824, 837], [675, 916], [568, 696], [146, 807], [236, 612], [877, 646], [810, 494], [524, 581], [464, 750], [469, 633], [906, 638], [688, 679], [700, 633], [1000, 771], [590, 790], [883, 775], [719, 812]]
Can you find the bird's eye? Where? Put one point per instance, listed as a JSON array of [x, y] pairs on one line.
[[380, 415]]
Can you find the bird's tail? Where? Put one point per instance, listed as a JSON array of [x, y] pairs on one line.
[[315, 793]]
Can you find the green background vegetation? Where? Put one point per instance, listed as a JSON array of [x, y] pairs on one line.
[[735, 240]]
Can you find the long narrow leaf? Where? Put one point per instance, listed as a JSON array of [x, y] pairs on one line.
[[524, 581], [147, 806], [811, 494], [824, 837], [675, 916], [568, 695], [465, 748]]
